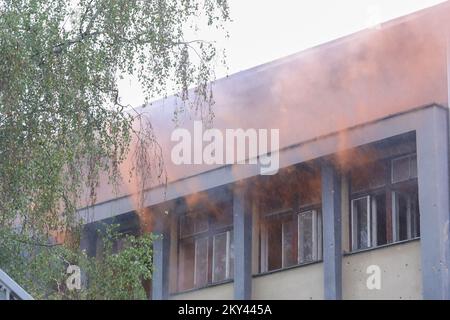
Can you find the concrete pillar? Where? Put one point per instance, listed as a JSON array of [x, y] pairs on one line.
[[332, 232], [161, 257], [433, 180], [242, 221]]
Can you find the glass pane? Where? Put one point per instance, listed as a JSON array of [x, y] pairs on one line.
[[201, 262], [306, 237], [407, 217], [231, 255], [274, 245], [400, 169], [186, 265], [220, 257], [290, 243], [360, 225]]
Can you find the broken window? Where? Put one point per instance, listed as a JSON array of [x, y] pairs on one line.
[[384, 207], [205, 248]]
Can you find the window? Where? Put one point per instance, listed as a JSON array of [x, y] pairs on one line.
[[291, 222], [368, 216], [384, 207], [290, 239], [404, 168], [406, 215], [205, 249]]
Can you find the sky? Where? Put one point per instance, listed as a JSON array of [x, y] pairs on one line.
[[266, 30]]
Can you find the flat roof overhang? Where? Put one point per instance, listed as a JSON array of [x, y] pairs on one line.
[[322, 146]]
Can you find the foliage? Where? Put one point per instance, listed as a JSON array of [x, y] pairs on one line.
[[62, 123], [115, 274]]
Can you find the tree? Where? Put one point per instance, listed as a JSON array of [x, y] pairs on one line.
[[62, 123]]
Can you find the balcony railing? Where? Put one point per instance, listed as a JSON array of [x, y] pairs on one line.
[[10, 290]]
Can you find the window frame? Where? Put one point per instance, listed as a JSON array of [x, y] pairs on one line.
[[317, 235], [209, 234], [354, 231], [284, 215], [228, 275]]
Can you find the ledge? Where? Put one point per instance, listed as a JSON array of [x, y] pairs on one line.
[[211, 285], [262, 274], [393, 244]]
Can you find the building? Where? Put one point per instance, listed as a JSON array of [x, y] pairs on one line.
[[363, 185]]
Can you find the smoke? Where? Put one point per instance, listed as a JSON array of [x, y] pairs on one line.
[[377, 72]]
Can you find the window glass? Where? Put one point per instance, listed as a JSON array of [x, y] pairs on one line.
[[290, 242], [274, 245], [231, 249], [201, 262], [186, 264], [406, 215], [220, 261], [306, 237], [400, 169]]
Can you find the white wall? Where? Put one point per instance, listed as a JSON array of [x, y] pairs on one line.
[[217, 292], [302, 283], [400, 273]]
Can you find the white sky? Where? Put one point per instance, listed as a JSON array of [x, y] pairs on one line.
[[265, 30]]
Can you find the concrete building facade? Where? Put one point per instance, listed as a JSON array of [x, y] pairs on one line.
[[360, 206]]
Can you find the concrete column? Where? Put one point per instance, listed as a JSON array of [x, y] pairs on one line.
[[242, 221], [433, 180], [161, 256], [332, 232]]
